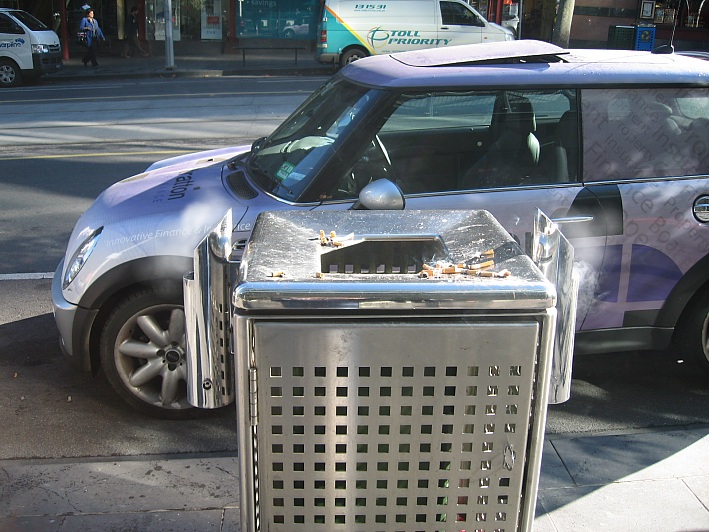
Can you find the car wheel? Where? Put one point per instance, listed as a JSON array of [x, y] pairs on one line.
[[289, 34], [10, 74], [352, 55], [694, 334], [143, 353]]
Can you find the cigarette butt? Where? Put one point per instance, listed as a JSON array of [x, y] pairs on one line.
[[277, 274], [450, 270], [319, 275], [323, 240], [427, 267], [333, 235], [482, 265], [425, 274], [488, 273], [337, 244], [488, 253]]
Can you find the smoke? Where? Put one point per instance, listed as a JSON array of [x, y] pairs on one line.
[[588, 287]]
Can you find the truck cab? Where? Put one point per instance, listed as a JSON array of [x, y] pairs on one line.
[[28, 48]]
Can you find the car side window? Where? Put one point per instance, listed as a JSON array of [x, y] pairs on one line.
[[7, 25], [632, 133], [457, 14], [461, 140]]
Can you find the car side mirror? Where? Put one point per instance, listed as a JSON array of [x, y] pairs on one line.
[[380, 195]]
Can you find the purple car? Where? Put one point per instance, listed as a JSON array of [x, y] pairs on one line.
[[612, 144]]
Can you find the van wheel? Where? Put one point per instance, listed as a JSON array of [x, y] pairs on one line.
[[10, 74], [143, 353], [694, 333], [352, 55]]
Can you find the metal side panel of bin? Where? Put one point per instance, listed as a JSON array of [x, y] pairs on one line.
[[387, 401]]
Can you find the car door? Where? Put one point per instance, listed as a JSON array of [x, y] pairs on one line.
[[458, 24], [645, 154], [453, 136], [15, 42]]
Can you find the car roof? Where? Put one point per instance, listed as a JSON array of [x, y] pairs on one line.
[[526, 63]]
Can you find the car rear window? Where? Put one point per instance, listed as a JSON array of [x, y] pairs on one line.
[[644, 133]]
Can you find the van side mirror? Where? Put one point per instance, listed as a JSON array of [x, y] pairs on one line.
[[380, 195]]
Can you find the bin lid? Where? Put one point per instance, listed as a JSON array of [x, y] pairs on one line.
[[386, 260]]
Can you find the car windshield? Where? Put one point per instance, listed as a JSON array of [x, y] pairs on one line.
[[285, 163], [29, 21]]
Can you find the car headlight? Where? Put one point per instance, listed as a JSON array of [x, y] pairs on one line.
[[40, 49], [80, 257]]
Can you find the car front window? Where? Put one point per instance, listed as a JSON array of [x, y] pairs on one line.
[[286, 162], [28, 20], [446, 141]]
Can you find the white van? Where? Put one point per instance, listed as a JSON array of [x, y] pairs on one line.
[[352, 29], [28, 48]]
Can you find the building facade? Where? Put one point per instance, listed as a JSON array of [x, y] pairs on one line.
[[228, 21]]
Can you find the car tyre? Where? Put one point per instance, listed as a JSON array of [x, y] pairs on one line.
[[143, 353], [289, 34], [10, 74], [694, 334], [352, 55]]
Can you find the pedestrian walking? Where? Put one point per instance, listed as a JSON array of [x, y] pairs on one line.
[[132, 44], [94, 34]]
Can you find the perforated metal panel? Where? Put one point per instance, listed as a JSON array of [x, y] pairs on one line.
[[386, 424]]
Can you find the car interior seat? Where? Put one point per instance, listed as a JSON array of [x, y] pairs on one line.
[[566, 146], [514, 152]]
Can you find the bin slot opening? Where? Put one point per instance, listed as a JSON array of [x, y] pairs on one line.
[[382, 255]]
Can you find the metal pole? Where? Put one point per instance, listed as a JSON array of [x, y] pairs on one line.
[[520, 16], [169, 48]]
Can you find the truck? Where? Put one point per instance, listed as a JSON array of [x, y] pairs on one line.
[[350, 30], [28, 48]]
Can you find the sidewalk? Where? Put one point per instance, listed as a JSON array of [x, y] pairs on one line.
[[248, 61], [644, 481], [640, 481]]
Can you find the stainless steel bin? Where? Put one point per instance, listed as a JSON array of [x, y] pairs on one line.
[[392, 373]]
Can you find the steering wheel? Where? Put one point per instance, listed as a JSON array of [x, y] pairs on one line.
[[374, 164]]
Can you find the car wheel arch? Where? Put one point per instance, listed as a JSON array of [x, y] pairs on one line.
[[693, 284], [120, 281]]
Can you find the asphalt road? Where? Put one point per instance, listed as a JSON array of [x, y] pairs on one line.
[[60, 146]]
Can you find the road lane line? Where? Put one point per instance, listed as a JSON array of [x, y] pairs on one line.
[[186, 96], [25, 276], [102, 154]]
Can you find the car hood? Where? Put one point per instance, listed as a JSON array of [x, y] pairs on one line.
[[198, 159], [162, 212]]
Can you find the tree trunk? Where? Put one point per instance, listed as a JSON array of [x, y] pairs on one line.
[[562, 26]]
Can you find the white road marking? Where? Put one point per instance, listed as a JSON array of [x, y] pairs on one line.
[[25, 276]]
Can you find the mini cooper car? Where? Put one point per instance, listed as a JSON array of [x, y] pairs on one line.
[[612, 144]]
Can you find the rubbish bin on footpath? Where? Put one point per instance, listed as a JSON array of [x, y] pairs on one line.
[[393, 370]]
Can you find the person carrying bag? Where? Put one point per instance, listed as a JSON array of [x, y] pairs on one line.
[[90, 26]]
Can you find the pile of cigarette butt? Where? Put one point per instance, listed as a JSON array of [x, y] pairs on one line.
[[330, 241], [472, 267]]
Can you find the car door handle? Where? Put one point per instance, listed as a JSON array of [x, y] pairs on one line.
[[701, 209], [444, 27]]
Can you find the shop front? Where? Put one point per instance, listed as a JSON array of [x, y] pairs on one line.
[[684, 22]]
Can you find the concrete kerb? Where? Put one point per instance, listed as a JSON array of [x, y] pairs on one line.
[[265, 62]]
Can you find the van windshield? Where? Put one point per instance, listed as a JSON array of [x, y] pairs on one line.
[[285, 163], [29, 21]]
